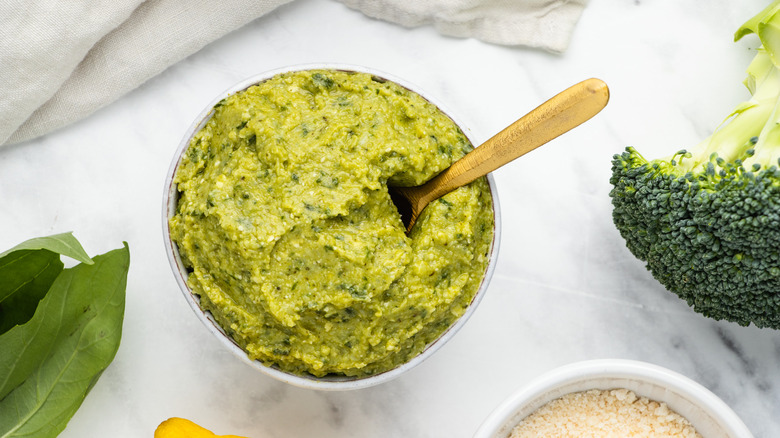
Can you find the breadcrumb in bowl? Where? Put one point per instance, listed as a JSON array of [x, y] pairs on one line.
[[613, 398]]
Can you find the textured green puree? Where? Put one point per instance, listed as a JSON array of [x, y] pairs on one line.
[[292, 241]]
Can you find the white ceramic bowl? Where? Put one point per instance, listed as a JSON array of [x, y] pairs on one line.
[[170, 199], [711, 417]]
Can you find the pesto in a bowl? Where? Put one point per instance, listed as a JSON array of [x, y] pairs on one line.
[[290, 237]]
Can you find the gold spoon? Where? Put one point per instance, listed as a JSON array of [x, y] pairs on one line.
[[566, 110]]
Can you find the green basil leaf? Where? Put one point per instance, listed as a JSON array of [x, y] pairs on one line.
[[28, 270], [64, 244], [76, 328], [25, 277]]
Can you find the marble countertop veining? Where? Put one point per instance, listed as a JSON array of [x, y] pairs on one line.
[[565, 288]]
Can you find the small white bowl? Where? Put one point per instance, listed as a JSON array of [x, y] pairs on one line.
[[170, 198], [708, 414]]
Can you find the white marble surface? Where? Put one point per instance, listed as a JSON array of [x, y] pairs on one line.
[[566, 289]]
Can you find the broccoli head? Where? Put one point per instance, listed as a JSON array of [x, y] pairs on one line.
[[707, 220]]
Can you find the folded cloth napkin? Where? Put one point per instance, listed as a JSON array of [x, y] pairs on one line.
[[546, 24], [62, 60]]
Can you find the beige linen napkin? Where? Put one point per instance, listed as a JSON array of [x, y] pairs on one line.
[[546, 24], [62, 60]]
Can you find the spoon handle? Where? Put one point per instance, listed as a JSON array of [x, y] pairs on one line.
[[564, 111]]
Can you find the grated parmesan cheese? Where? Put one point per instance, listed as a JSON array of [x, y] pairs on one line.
[[616, 413]]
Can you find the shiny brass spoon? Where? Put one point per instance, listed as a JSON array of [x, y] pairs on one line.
[[566, 110]]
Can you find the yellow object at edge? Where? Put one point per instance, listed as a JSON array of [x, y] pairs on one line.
[[181, 428]]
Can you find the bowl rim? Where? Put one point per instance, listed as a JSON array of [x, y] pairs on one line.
[[332, 383], [538, 392]]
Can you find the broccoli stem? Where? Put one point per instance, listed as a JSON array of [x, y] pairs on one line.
[[767, 148], [732, 140], [750, 135]]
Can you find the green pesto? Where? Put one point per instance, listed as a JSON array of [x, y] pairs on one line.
[[292, 241]]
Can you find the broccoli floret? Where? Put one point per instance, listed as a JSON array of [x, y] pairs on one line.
[[707, 220]]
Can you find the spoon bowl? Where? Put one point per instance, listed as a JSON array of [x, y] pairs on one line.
[[563, 112]]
